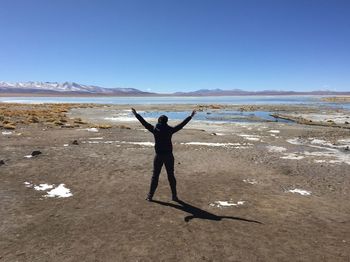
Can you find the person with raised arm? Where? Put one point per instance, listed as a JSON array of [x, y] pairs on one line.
[[162, 133]]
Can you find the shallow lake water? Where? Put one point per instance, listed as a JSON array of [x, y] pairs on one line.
[[215, 115], [229, 100]]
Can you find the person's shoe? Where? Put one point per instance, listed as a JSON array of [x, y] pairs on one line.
[[149, 198], [175, 198]]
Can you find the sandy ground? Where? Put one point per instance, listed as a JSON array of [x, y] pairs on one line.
[[250, 192]]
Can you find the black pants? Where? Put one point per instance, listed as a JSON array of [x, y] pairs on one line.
[[168, 161]]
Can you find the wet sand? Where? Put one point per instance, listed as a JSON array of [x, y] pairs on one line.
[[258, 191]]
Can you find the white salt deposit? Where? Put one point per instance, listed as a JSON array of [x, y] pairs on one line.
[[317, 141], [28, 156], [28, 184], [277, 149], [116, 141], [217, 134], [319, 161], [121, 119], [324, 143], [340, 143], [226, 203], [296, 141], [329, 150], [274, 131], [344, 141], [60, 192], [336, 155], [250, 181], [212, 144], [292, 156], [6, 133], [250, 137], [319, 153], [93, 129], [91, 142], [65, 145], [96, 138], [139, 143], [339, 118], [300, 191], [43, 187]]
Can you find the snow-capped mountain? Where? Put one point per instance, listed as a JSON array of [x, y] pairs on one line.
[[72, 88], [62, 88]]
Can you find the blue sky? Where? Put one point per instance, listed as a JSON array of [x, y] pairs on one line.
[[173, 45]]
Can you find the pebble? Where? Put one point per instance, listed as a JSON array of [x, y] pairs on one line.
[[36, 153]]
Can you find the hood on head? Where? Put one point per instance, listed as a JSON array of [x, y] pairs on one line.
[[163, 119]]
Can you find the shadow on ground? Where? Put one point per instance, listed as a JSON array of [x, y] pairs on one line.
[[200, 213]]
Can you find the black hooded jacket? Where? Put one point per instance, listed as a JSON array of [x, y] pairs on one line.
[[162, 134]]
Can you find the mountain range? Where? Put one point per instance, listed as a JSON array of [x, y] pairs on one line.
[[72, 88], [68, 88]]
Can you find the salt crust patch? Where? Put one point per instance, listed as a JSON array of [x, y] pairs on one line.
[[222, 204], [235, 145], [139, 143], [274, 131], [338, 118], [329, 150], [345, 141], [250, 181], [125, 117], [250, 137], [43, 187], [65, 145], [121, 119], [328, 144], [91, 142], [295, 141], [315, 141], [119, 142], [293, 156], [93, 129], [96, 138], [218, 134], [300, 191], [60, 191], [6, 133], [277, 149], [27, 184], [28, 156]]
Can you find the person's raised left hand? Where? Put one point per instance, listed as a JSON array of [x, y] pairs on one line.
[[133, 111]]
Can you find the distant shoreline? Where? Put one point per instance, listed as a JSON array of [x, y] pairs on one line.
[[340, 95], [337, 99]]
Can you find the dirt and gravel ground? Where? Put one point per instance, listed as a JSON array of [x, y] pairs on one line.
[[250, 167]]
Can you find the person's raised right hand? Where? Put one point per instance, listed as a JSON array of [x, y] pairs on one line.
[[193, 113]]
